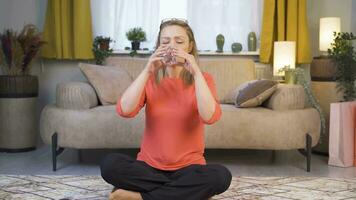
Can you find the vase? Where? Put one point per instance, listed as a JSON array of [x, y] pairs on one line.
[[289, 77], [135, 45], [236, 47], [104, 45], [252, 40], [220, 40], [18, 104]]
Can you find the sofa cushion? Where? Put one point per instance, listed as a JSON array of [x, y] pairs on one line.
[[254, 93], [108, 82], [75, 95], [251, 93], [286, 97]]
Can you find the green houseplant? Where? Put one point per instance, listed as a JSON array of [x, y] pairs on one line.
[[136, 35], [101, 49], [18, 89], [289, 74], [297, 76], [344, 55]]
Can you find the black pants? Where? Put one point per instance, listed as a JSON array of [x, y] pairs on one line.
[[194, 182]]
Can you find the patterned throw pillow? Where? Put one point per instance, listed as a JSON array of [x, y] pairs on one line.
[[109, 82], [254, 93]]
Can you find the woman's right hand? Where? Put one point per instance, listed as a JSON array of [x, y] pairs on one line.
[[155, 61]]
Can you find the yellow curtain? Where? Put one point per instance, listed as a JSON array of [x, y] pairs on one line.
[[68, 30], [285, 20]]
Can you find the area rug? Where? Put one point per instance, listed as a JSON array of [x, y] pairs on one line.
[[241, 188]]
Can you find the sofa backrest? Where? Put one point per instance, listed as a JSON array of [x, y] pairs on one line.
[[228, 73]]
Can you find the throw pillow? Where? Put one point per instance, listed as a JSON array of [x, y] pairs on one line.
[[230, 97], [109, 82], [254, 93]]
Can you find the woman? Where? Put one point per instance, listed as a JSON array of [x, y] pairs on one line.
[[179, 99]]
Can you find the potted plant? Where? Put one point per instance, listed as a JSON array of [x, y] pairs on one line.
[[136, 35], [101, 49], [289, 74], [18, 89], [344, 56]]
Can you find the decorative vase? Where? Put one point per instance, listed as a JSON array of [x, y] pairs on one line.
[[135, 45], [252, 40], [236, 47], [220, 40], [18, 104], [289, 77]]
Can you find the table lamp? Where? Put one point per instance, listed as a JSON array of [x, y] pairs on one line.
[[322, 68], [284, 56]]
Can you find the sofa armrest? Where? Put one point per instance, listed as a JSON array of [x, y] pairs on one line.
[[76, 95], [286, 97]]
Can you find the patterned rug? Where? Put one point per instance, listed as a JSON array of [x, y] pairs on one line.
[[246, 188]]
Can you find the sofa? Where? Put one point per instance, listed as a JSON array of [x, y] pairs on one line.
[[283, 122]]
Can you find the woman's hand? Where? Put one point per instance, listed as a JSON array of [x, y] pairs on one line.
[[190, 62], [155, 61]]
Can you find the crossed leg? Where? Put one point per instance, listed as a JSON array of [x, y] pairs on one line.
[[137, 180]]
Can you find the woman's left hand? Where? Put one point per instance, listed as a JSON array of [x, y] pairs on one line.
[[190, 62]]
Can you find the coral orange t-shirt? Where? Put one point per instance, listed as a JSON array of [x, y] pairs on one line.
[[174, 131]]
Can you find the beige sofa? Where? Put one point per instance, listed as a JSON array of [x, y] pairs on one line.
[[284, 122]]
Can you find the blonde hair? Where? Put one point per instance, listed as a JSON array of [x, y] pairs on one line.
[[185, 75]]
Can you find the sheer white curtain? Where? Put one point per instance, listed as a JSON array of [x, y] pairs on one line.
[[114, 18], [232, 18]]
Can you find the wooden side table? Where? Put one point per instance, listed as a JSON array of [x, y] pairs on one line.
[[322, 71], [326, 93]]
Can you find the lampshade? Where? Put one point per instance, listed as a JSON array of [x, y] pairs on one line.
[[328, 25], [284, 55]]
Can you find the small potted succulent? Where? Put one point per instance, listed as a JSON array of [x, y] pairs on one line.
[[136, 35], [101, 49], [289, 74], [18, 89]]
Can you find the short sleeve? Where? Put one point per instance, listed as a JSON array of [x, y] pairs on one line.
[[138, 107], [217, 113]]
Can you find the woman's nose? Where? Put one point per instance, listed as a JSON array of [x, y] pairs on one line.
[[172, 44]]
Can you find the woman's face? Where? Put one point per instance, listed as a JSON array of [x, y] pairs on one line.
[[175, 36]]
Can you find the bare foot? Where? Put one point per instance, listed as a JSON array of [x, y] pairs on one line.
[[121, 194]]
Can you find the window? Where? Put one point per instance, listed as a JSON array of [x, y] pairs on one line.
[[172, 9], [208, 18]]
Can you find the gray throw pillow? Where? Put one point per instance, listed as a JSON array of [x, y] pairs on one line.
[[254, 93], [109, 82]]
